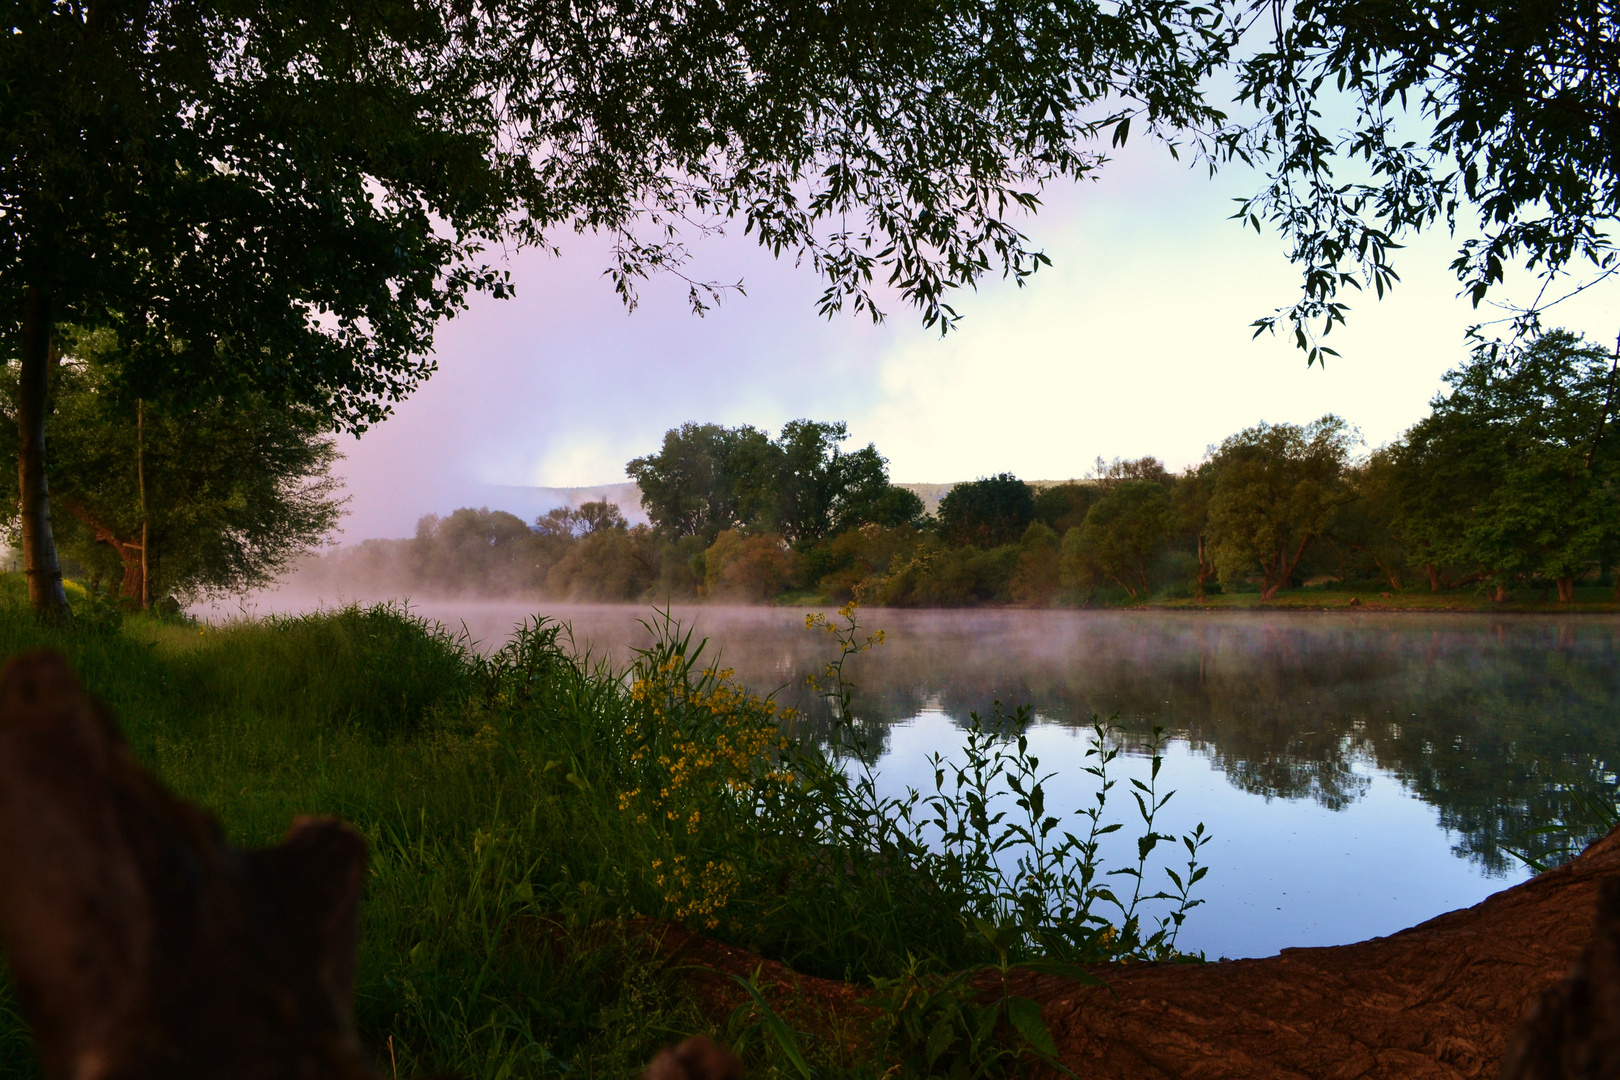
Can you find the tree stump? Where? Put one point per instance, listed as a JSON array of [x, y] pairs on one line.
[[142, 944]]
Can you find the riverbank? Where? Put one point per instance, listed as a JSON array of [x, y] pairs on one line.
[[529, 815], [1599, 600]]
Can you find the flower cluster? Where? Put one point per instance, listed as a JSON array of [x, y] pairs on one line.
[[705, 751], [696, 897]]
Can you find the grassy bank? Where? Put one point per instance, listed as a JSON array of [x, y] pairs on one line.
[[531, 821]]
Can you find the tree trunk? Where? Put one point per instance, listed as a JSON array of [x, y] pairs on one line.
[[1284, 567], [1434, 577], [40, 564], [133, 556], [140, 478], [1206, 569], [1500, 594], [1566, 590]]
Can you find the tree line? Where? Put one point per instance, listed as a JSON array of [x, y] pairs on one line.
[[1512, 481]]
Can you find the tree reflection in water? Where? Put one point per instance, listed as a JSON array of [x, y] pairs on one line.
[[1498, 722]]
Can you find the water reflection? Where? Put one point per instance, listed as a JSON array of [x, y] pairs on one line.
[[1488, 720], [1315, 739]]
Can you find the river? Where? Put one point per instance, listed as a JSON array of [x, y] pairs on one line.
[[1359, 772]]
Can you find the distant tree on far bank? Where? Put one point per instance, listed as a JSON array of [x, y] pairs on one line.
[[469, 550], [1106, 475], [1514, 481], [705, 479], [1061, 507], [1275, 489], [801, 486], [1516, 474], [1123, 532], [988, 512]]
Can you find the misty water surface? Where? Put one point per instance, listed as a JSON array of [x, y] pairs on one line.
[[1360, 772]]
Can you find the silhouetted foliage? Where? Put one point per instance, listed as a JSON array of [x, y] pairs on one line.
[[987, 512], [1506, 116]]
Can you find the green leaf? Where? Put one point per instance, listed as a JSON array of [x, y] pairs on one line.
[[1025, 1016]]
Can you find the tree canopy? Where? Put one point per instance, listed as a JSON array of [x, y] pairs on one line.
[[1275, 489], [171, 503], [987, 512], [1497, 120], [1517, 470], [802, 486]]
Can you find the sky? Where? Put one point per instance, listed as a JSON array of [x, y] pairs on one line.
[[1137, 340]]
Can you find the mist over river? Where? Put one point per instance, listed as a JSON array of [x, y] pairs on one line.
[[1360, 772]]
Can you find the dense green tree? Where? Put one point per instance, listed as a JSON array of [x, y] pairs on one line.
[[610, 563], [848, 565], [707, 478], [1061, 507], [987, 512], [1039, 571], [1189, 501], [802, 485], [1276, 488], [814, 475], [1124, 530], [173, 503], [581, 520], [823, 491], [1366, 522], [1106, 475], [470, 551], [259, 200], [1516, 473]]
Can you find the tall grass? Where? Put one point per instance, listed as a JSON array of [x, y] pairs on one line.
[[527, 812]]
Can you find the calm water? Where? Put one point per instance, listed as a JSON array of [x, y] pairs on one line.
[[1360, 772]]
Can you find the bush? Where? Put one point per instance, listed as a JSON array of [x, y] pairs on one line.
[[741, 567]]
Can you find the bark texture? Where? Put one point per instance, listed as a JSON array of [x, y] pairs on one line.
[[144, 947], [1572, 1031], [1439, 1000]]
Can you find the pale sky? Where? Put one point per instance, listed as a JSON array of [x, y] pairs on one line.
[[1136, 341]]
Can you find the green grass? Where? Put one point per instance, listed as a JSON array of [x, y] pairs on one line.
[[521, 810]]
